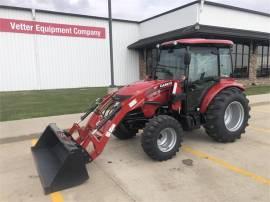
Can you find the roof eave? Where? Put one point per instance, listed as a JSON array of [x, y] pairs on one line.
[[199, 31]]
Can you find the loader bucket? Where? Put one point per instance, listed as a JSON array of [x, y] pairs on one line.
[[60, 161]]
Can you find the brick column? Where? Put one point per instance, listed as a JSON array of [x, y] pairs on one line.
[[253, 62], [142, 63]]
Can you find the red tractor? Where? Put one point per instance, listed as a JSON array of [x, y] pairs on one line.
[[190, 87]]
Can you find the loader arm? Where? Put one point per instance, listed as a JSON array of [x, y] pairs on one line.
[[101, 123]]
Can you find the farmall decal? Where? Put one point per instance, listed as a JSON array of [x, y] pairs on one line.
[[165, 84], [44, 28]]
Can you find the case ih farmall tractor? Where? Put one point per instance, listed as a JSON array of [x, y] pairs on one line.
[[190, 87]]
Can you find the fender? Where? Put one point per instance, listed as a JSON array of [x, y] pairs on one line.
[[214, 90]]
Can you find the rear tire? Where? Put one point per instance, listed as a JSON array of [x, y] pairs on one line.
[[227, 115], [123, 132], [162, 137]]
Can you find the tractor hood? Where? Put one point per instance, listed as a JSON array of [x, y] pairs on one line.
[[141, 86]]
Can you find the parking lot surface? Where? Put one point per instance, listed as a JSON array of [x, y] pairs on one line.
[[203, 170]]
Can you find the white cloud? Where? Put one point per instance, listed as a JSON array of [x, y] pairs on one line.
[[126, 9]]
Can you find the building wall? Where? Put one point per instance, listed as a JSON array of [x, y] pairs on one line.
[[169, 22], [224, 17], [126, 61], [17, 58], [31, 62]]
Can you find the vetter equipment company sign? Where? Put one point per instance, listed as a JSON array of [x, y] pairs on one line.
[[43, 28]]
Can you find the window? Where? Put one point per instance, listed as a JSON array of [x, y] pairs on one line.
[[204, 63], [225, 62], [263, 69], [240, 56], [171, 63]]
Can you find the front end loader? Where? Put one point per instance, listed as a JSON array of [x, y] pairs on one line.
[[190, 87]]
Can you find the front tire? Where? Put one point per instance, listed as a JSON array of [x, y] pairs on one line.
[[123, 132], [162, 137], [227, 115]]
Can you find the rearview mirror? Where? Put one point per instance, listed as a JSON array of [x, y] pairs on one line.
[[187, 58]]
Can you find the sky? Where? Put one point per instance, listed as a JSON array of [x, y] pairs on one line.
[[126, 9]]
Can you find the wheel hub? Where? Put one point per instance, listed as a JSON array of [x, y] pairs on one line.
[[167, 139], [234, 116]]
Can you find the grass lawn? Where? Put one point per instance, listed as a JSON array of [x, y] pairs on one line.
[[29, 104], [255, 90]]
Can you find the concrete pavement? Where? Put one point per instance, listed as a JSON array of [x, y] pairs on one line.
[[203, 171]]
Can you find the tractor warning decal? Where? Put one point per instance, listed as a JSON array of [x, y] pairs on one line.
[[132, 103]]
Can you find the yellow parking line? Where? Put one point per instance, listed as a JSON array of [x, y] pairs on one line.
[[265, 130], [226, 165], [56, 196], [34, 142]]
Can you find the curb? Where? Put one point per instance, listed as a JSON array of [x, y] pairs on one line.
[[20, 138], [259, 104]]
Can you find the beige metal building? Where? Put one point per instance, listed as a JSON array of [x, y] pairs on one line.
[[50, 50]]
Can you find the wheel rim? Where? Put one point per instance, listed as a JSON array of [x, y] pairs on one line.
[[234, 116], [167, 139]]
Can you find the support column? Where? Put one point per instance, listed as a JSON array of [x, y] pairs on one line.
[[253, 62], [111, 42], [142, 63]]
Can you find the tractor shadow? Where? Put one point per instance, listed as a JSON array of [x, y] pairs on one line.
[[198, 135], [133, 148]]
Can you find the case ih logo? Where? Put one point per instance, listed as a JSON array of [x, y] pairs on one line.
[[165, 84], [43, 28]]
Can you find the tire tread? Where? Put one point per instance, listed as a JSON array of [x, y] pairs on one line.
[[149, 137], [213, 115]]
